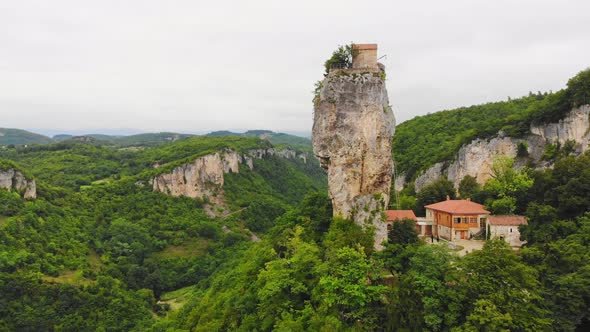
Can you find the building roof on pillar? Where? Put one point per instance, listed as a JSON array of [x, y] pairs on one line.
[[393, 215], [364, 46], [458, 206]]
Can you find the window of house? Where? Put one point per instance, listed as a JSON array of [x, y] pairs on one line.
[[511, 230], [388, 227], [457, 220]]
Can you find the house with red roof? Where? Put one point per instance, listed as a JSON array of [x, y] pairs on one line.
[[424, 227], [456, 218], [398, 215], [506, 228]]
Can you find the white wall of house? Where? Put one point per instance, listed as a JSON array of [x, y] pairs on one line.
[[510, 234], [445, 232]]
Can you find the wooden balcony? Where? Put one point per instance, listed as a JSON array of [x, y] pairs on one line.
[[464, 227]]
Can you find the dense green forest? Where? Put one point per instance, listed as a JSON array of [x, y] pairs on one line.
[[320, 274], [98, 251], [425, 140]]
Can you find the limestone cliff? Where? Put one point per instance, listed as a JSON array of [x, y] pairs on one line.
[[14, 180], [574, 127], [352, 132], [204, 177], [475, 159]]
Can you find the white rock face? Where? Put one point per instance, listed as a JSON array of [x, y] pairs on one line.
[[11, 179], [201, 179], [399, 182], [231, 162], [352, 132], [574, 127], [475, 159], [204, 177], [429, 176]]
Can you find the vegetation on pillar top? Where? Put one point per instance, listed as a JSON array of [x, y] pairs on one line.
[[341, 58]]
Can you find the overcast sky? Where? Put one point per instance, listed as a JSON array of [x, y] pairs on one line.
[[197, 66]]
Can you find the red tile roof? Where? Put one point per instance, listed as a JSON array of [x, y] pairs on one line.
[[507, 220], [458, 206], [400, 215], [364, 46]]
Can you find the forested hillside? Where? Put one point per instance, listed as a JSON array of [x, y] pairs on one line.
[[425, 140], [99, 250], [98, 247]]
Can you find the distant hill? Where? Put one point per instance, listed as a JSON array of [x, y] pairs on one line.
[[258, 132], [61, 137], [100, 137], [20, 137], [148, 138], [223, 133], [278, 139], [281, 138]]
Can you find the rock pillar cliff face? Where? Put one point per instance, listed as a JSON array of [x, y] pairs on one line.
[[352, 132]]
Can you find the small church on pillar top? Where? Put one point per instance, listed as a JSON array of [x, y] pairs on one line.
[[364, 56]]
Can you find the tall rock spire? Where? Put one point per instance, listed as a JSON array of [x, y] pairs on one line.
[[352, 132]]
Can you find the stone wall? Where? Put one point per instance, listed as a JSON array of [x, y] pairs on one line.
[[365, 59], [511, 234]]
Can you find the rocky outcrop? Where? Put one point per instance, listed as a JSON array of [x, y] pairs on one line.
[[430, 175], [201, 179], [352, 132], [475, 159], [204, 177], [14, 180], [399, 181], [574, 127]]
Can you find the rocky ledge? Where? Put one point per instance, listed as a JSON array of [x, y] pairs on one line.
[[204, 177], [476, 158], [14, 180]]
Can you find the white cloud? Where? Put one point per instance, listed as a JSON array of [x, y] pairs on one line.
[[196, 66]]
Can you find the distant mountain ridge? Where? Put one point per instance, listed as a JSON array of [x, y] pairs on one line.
[[278, 139], [10, 136]]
